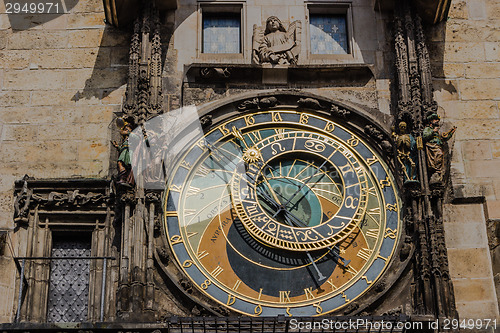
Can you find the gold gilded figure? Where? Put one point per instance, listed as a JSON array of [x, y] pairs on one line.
[[434, 141], [407, 153]]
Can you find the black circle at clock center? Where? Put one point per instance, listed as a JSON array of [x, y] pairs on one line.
[[273, 269]]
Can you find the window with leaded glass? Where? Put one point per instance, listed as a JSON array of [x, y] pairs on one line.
[[221, 31], [328, 34], [69, 278]]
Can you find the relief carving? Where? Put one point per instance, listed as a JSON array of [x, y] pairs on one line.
[[276, 45]]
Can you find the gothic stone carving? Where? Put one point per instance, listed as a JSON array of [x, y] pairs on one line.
[[276, 45]]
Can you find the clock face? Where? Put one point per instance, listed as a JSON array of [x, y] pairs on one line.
[[282, 212]]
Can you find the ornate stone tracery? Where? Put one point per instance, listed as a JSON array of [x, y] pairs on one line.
[[432, 288]]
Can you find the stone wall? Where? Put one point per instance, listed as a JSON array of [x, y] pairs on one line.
[[465, 54], [61, 79]]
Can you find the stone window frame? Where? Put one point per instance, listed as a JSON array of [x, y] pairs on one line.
[[62, 206], [226, 7], [333, 8]]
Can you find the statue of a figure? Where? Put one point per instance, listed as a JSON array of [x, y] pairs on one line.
[[407, 152], [434, 141], [124, 163], [275, 44]]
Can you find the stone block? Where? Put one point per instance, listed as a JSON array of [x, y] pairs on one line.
[[100, 114], [493, 209], [61, 98], [3, 39], [95, 131], [114, 96], [470, 109], [14, 59], [493, 9], [492, 51], [469, 213], [445, 90], [72, 58], [34, 39], [458, 10], [97, 78], [60, 131], [482, 70], [495, 148], [469, 263], [465, 235], [114, 37], [468, 188], [4, 21], [19, 132], [34, 80], [465, 31], [477, 9], [476, 150], [463, 52], [453, 70], [479, 89], [87, 6], [472, 129], [85, 38], [14, 98], [119, 56], [93, 150], [483, 169], [477, 310], [86, 21]]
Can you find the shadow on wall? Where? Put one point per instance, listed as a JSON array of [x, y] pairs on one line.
[[27, 14], [436, 35], [111, 65], [109, 72]]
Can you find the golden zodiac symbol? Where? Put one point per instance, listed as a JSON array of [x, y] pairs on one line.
[[279, 147], [352, 202], [306, 235], [314, 145]]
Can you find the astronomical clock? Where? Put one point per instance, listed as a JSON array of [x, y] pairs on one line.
[[282, 211]]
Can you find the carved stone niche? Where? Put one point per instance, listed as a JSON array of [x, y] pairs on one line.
[[273, 44], [67, 209]]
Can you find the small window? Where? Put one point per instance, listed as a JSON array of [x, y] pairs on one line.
[[221, 32], [328, 34], [69, 278]]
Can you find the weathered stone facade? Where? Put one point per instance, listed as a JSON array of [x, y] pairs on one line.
[[63, 80]]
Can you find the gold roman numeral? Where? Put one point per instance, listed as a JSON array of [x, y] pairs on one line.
[[351, 270], [202, 254], [284, 296], [217, 271], [372, 233], [365, 253], [193, 191], [308, 293]]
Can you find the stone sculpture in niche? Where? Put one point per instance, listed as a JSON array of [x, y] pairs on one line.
[[276, 45], [406, 152], [434, 141]]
